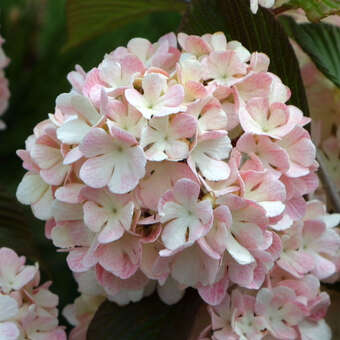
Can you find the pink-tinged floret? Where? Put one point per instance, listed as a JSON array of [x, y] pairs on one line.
[[14, 274], [106, 214], [114, 159], [186, 218], [167, 137], [278, 311], [158, 99], [209, 154], [224, 68], [275, 120]]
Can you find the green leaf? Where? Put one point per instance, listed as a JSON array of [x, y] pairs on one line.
[[149, 319], [321, 42], [261, 32], [316, 9], [89, 18]]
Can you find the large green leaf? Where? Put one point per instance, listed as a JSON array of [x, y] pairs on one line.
[[316, 9], [261, 32], [89, 18], [149, 319], [321, 42]]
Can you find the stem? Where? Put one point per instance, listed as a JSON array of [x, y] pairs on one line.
[[280, 10], [328, 182]]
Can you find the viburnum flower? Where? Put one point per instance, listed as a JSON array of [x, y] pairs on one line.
[[107, 214], [225, 68], [180, 164], [74, 118], [157, 100], [27, 310], [114, 160], [208, 155], [292, 309], [278, 311], [167, 138], [121, 73], [185, 219], [275, 120]]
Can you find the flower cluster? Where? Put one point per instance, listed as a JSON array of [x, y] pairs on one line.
[[292, 309], [166, 168], [27, 310], [4, 91], [290, 304]]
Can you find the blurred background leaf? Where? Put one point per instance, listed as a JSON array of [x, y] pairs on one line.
[[106, 15], [149, 319], [260, 32]]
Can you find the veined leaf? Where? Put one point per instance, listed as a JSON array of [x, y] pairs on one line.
[[260, 32], [89, 18], [149, 319], [321, 42], [316, 9]]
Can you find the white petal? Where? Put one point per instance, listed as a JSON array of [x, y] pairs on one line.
[[170, 293], [8, 307], [238, 252], [31, 188], [273, 208], [73, 131]]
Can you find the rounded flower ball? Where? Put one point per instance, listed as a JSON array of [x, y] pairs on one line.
[[27, 310], [181, 164]]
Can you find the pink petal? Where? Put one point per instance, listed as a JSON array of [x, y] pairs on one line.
[[9, 331], [96, 142], [171, 292], [75, 260], [186, 191], [122, 135], [96, 172], [120, 258], [94, 216], [183, 125], [127, 174], [69, 193], [214, 294], [173, 97]]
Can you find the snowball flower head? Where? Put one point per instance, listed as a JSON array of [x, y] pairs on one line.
[[180, 164]]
